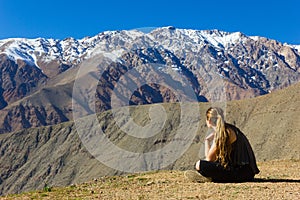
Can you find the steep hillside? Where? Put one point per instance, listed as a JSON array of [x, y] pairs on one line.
[[56, 155]]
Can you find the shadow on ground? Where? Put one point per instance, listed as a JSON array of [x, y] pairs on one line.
[[274, 180]]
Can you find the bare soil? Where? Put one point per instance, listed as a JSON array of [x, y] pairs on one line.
[[278, 179]]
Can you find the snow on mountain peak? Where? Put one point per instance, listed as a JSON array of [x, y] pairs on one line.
[[73, 51], [297, 47], [221, 39], [171, 36]]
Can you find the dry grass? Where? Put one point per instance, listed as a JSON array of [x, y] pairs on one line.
[[277, 180]]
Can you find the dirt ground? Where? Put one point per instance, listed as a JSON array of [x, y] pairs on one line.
[[278, 179]]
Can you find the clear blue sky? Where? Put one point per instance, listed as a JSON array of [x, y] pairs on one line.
[[59, 19]]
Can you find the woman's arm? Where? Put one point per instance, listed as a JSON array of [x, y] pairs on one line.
[[210, 150]]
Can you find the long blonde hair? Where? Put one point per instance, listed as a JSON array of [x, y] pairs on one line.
[[223, 148]]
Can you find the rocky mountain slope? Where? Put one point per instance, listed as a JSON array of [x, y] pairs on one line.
[[56, 155], [38, 75], [248, 62]]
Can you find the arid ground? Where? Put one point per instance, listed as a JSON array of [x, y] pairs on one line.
[[278, 179]]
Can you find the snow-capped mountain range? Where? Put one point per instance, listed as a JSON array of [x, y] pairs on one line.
[[248, 65], [71, 51]]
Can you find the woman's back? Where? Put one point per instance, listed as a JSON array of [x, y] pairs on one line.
[[242, 153]]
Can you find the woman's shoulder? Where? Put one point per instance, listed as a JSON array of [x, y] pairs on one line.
[[232, 132], [231, 126]]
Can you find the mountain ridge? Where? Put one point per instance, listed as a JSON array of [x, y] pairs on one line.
[[72, 51]]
